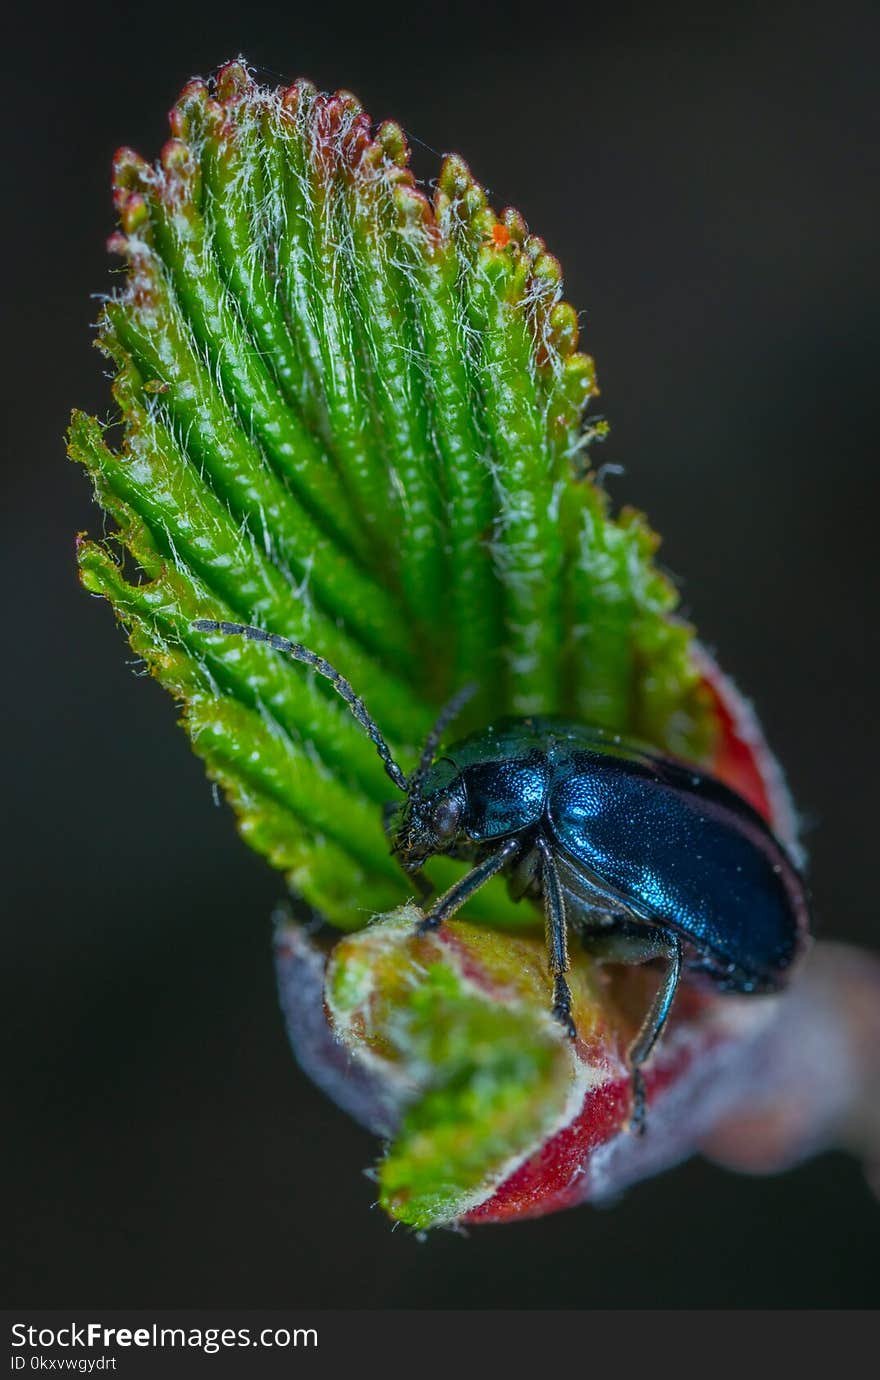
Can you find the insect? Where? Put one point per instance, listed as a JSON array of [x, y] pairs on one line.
[[642, 855]]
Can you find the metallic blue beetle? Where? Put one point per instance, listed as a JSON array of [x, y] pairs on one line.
[[642, 855]]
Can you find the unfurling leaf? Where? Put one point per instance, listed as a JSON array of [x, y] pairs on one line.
[[354, 414]]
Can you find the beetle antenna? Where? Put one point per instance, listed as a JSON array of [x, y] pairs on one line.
[[449, 712], [317, 663]]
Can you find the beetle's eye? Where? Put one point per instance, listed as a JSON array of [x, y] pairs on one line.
[[445, 816]]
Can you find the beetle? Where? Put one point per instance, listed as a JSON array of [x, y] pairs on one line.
[[643, 855]]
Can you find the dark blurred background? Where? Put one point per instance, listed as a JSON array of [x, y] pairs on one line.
[[709, 180]]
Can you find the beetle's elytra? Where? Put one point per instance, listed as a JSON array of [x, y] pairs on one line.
[[641, 855]]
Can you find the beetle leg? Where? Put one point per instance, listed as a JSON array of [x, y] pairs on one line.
[[525, 878], [423, 882], [462, 890], [557, 937], [652, 1028], [616, 939]]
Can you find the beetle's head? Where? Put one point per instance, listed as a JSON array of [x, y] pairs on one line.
[[430, 819]]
